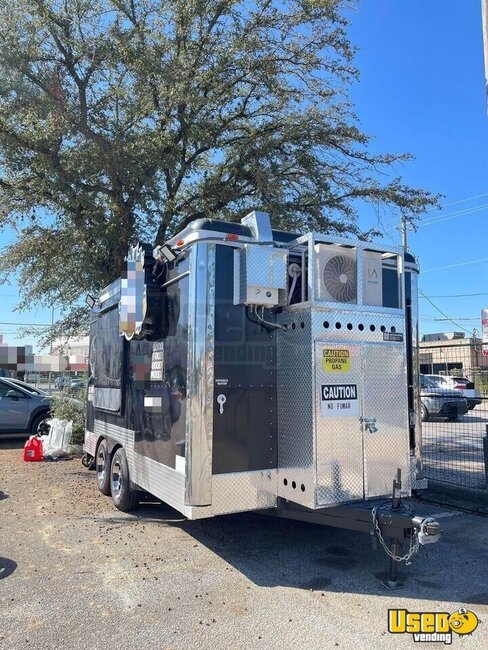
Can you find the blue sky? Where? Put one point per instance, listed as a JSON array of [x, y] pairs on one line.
[[421, 91]]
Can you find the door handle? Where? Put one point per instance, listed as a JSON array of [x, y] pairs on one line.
[[369, 424]]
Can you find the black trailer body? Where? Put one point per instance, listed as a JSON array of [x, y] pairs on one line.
[[241, 368]]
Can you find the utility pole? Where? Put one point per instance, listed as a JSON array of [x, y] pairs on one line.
[[51, 350], [403, 227], [484, 22], [404, 234]]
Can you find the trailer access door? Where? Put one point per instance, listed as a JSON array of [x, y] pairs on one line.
[[361, 419]]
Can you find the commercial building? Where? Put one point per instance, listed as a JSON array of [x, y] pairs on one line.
[[451, 353]]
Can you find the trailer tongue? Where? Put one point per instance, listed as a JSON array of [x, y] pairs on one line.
[[238, 368]]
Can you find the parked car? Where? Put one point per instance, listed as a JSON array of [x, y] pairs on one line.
[[23, 408], [69, 383], [440, 402], [463, 384], [77, 384]]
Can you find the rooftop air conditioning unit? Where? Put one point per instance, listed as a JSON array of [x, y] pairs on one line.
[[337, 271]]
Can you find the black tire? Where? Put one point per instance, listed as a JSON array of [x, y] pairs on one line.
[[102, 467], [424, 413], [125, 498], [88, 462], [39, 425]]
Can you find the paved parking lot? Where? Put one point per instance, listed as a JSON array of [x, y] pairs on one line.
[[75, 573]]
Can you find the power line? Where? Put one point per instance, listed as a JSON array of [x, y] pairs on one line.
[[452, 215], [443, 314], [453, 266], [446, 217], [458, 295], [447, 205], [469, 198]]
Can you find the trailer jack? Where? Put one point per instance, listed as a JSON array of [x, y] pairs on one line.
[[423, 530]]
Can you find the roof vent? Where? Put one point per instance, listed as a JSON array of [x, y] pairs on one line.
[[259, 225]]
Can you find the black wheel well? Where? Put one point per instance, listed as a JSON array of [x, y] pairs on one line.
[[112, 445], [42, 412], [99, 442], [114, 448]]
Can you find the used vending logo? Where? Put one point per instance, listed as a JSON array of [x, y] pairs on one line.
[[432, 626], [334, 360]]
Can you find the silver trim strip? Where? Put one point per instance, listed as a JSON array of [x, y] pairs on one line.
[[190, 236], [199, 424], [416, 376]]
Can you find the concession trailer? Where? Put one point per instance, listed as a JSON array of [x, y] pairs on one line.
[[238, 368]]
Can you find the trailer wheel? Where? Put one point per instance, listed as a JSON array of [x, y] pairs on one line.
[[424, 413], [103, 468], [123, 496]]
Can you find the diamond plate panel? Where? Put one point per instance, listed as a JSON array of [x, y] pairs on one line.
[[262, 267], [243, 491], [385, 399], [300, 434], [339, 437], [296, 440]]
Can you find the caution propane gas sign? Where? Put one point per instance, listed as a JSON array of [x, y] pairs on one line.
[[335, 360]]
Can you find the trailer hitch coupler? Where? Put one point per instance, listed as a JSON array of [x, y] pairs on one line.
[[429, 530]]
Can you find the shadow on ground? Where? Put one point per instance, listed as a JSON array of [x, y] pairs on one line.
[[12, 443], [276, 552], [7, 567]]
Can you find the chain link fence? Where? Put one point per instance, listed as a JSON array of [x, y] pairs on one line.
[[68, 381], [454, 405]]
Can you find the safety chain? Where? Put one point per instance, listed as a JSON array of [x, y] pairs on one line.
[[414, 542]]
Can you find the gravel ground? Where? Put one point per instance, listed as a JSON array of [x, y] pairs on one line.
[[76, 573]]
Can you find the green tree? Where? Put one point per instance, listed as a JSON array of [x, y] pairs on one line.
[[126, 119]]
